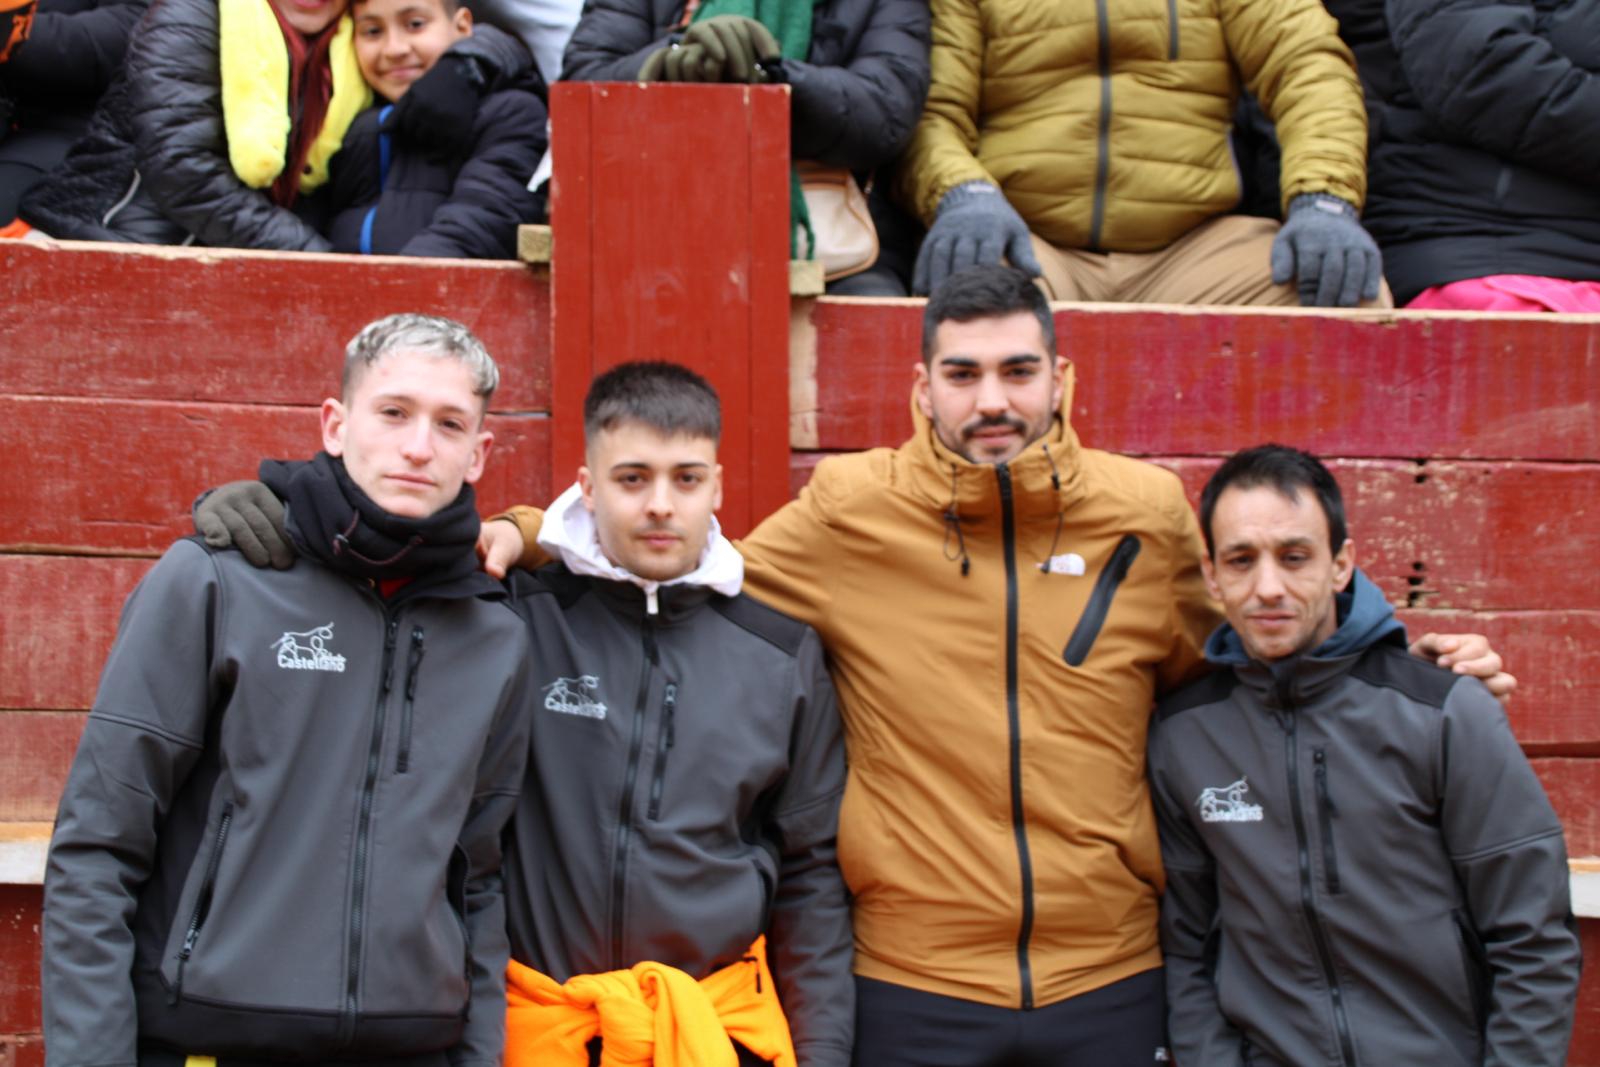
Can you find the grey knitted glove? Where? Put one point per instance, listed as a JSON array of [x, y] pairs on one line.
[[974, 225], [246, 516], [1325, 249]]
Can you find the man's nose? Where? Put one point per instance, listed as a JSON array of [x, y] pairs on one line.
[[992, 395], [418, 443]]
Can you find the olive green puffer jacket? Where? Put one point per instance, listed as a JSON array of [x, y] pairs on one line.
[[1106, 122]]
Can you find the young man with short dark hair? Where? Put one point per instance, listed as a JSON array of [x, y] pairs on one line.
[[676, 830], [1361, 866], [280, 838]]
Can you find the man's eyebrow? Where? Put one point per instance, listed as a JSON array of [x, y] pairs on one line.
[[1010, 361], [1299, 541], [640, 464]]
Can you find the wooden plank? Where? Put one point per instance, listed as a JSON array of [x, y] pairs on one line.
[[230, 326], [1205, 381], [689, 266], [36, 750], [19, 959], [1585, 1048], [60, 616], [120, 475], [1572, 785]]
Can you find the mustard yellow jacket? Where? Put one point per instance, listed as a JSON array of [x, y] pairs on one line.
[[1106, 121], [997, 832]]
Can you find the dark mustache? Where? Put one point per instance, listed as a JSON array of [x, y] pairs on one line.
[[991, 422]]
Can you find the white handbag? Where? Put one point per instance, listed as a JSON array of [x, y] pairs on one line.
[[846, 240]]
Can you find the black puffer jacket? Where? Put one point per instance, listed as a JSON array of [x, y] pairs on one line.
[[1483, 156], [857, 95], [153, 167], [72, 53], [419, 206]]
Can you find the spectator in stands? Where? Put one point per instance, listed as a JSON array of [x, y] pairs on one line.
[[858, 70], [1485, 172], [1107, 139], [221, 127], [389, 196], [53, 69], [280, 837], [1428, 919]]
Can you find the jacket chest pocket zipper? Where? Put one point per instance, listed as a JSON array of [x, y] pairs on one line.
[[1105, 588], [202, 901], [1326, 813], [664, 742], [414, 660]]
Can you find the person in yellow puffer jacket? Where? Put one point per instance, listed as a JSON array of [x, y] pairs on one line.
[[1100, 128]]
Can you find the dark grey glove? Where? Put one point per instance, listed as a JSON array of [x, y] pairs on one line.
[[439, 111], [1325, 249], [975, 225], [248, 517]]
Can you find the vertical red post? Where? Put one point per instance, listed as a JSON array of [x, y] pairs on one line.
[[670, 214]]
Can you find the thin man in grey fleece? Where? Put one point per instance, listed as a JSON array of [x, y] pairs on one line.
[[1362, 868]]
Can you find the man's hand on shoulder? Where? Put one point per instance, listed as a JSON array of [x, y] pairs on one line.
[[1468, 654], [249, 517], [499, 546]]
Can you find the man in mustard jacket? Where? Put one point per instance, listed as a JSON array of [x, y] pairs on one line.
[[1088, 141]]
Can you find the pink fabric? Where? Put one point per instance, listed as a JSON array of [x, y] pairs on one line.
[[1511, 292]]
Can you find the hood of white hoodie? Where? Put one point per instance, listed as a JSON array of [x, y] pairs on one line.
[[570, 535]]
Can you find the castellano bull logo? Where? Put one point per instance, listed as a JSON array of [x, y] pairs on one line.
[[308, 651], [578, 696], [1226, 803]]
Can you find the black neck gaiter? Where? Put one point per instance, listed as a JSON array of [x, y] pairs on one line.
[[331, 520]]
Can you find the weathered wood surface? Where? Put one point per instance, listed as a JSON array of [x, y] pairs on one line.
[[664, 260], [1196, 381], [119, 476], [134, 322]]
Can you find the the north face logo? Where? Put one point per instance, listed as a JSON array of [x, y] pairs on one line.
[[308, 651], [1226, 803], [575, 696]]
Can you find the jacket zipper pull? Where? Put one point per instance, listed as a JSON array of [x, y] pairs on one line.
[[672, 703]]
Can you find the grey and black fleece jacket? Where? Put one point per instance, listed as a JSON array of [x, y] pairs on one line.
[[1362, 868], [280, 837], [682, 796]]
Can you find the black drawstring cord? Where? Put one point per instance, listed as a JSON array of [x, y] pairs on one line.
[[342, 545], [1061, 515], [952, 524]]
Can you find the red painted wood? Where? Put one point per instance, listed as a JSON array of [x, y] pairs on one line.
[[120, 475], [671, 225], [1573, 785], [1585, 1048], [26, 1050], [1203, 381], [19, 959], [36, 750], [265, 328], [59, 619]]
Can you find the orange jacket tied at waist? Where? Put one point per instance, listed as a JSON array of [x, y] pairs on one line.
[[649, 1015]]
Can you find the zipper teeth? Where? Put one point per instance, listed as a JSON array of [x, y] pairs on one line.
[[358, 886], [1102, 165], [1319, 936], [1325, 813], [664, 741], [619, 877], [402, 761], [1013, 714]]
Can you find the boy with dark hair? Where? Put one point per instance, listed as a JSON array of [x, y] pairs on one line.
[[280, 838], [676, 830], [1361, 865], [393, 196]]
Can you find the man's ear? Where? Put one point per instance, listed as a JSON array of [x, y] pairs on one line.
[[716, 487], [1209, 569], [1059, 382], [463, 21], [334, 417], [1344, 566], [480, 455], [922, 380], [586, 487]]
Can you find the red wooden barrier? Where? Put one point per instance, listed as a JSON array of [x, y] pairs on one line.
[[671, 214]]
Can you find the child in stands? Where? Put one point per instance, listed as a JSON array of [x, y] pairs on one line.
[[392, 195]]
